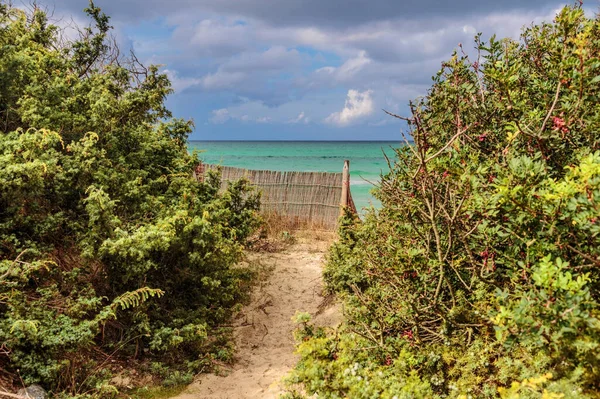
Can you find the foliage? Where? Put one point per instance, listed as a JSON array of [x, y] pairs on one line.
[[479, 275], [109, 247]]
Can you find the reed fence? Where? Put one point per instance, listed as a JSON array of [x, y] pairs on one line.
[[311, 199]]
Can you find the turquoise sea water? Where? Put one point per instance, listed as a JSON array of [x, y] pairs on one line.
[[366, 159]]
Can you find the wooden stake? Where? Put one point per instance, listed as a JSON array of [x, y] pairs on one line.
[[345, 186]]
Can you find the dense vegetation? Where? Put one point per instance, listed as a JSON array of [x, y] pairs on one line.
[[479, 275], [109, 247]]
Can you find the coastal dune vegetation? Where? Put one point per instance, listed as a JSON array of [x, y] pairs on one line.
[[476, 278], [479, 276], [111, 252]]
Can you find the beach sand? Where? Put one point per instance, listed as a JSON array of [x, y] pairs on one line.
[[263, 329]]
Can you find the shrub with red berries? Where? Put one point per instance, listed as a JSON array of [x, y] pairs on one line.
[[483, 262]]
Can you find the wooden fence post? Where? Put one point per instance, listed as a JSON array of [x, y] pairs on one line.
[[199, 172], [345, 186]]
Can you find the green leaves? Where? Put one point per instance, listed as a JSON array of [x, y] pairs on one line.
[[487, 241], [25, 326], [555, 276], [135, 298], [98, 202]]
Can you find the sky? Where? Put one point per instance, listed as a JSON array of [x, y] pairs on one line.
[[302, 69]]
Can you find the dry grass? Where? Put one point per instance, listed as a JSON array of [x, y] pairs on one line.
[[279, 232], [277, 225]]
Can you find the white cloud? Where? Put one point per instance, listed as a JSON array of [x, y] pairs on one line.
[[348, 70], [232, 35], [328, 69], [220, 116], [215, 37], [267, 63], [221, 79], [213, 81], [358, 105], [353, 66], [278, 68], [301, 118], [273, 59], [469, 30], [180, 84], [264, 119], [241, 72]]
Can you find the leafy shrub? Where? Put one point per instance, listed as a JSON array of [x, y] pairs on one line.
[[481, 268], [109, 247]]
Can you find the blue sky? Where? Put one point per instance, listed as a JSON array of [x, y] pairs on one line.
[[302, 70]]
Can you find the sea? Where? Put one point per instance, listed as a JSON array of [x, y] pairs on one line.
[[367, 161]]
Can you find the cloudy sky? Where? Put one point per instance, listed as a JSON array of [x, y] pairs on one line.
[[302, 69]]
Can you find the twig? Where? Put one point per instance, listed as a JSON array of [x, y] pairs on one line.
[[460, 132], [106, 360], [553, 103], [2, 277], [404, 118], [585, 256], [555, 95], [13, 395]]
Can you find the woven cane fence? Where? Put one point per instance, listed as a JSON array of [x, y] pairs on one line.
[[306, 198]]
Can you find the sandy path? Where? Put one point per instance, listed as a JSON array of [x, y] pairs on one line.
[[265, 345]]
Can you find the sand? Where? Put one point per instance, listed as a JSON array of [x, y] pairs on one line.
[[263, 329]]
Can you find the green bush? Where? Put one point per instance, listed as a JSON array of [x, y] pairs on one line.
[[109, 246], [479, 274]]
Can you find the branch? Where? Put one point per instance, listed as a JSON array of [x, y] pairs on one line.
[[410, 147], [460, 132], [13, 395], [404, 118], [591, 259], [2, 277], [560, 73], [553, 103]]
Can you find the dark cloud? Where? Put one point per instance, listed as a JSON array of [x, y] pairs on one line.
[[353, 12], [309, 12]]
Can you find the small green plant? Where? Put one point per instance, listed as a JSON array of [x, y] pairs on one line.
[[287, 237]]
